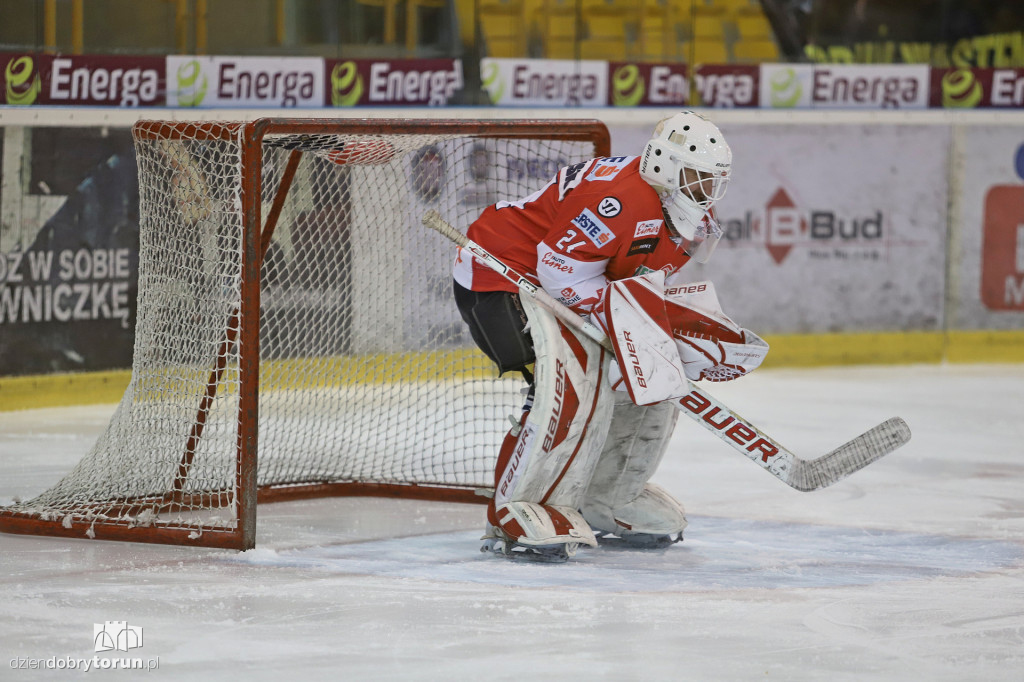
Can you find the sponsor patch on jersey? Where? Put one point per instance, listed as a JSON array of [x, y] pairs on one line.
[[642, 246], [555, 262], [609, 207], [569, 296], [647, 228], [569, 178], [591, 226], [667, 269], [608, 167]]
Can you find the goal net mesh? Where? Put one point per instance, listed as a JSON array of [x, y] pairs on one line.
[[366, 371]]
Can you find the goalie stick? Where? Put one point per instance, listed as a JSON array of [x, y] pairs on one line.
[[706, 410]]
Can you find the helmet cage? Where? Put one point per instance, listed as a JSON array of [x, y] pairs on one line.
[[688, 162]]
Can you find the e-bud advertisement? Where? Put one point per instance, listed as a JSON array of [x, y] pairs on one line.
[[829, 228]]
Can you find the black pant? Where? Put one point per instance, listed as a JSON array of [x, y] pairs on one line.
[[497, 321]]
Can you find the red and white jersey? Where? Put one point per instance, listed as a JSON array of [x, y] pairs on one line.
[[595, 221]]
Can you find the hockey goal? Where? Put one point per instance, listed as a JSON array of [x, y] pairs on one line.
[[296, 335]]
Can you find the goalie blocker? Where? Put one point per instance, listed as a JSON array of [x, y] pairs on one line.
[[664, 335]]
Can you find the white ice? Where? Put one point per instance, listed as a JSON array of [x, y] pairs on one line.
[[912, 569]]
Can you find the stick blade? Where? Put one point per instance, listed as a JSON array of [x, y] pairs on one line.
[[850, 457]]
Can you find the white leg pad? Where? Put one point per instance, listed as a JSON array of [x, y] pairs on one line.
[[541, 525], [619, 498], [653, 512], [554, 457]]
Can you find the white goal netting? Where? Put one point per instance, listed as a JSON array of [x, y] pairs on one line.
[[366, 372]]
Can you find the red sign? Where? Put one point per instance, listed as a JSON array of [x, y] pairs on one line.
[[396, 82], [971, 88], [784, 225], [1002, 249], [657, 85], [82, 80]]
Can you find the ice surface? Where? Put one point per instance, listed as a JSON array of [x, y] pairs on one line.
[[912, 569]]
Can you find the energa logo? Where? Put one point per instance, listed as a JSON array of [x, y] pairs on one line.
[[961, 89], [627, 86], [786, 88], [346, 85], [23, 83], [192, 83]]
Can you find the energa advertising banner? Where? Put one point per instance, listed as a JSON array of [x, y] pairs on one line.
[[245, 82]]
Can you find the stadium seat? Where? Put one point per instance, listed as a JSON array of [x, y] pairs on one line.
[[755, 51], [736, 7], [663, 26], [710, 52], [608, 29], [558, 28], [708, 28], [754, 27], [504, 26], [706, 8]]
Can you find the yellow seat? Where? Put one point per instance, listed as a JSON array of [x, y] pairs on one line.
[[700, 8], [709, 52], [755, 51], [599, 48], [753, 8], [662, 25], [504, 27], [609, 29], [736, 7], [754, 26], [556, 22], [708, 28]]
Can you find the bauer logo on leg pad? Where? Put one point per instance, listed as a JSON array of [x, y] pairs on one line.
[[516, 464], [646, 356]]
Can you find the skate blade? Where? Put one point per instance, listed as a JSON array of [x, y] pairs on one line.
[[645, 542], [523, 553]]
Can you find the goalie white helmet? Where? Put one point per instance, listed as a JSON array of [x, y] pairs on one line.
[[689, 162]]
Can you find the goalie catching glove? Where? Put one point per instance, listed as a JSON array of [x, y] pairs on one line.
[[664, 335]]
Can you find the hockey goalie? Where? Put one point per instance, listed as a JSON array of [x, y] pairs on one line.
[[607, 238]]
